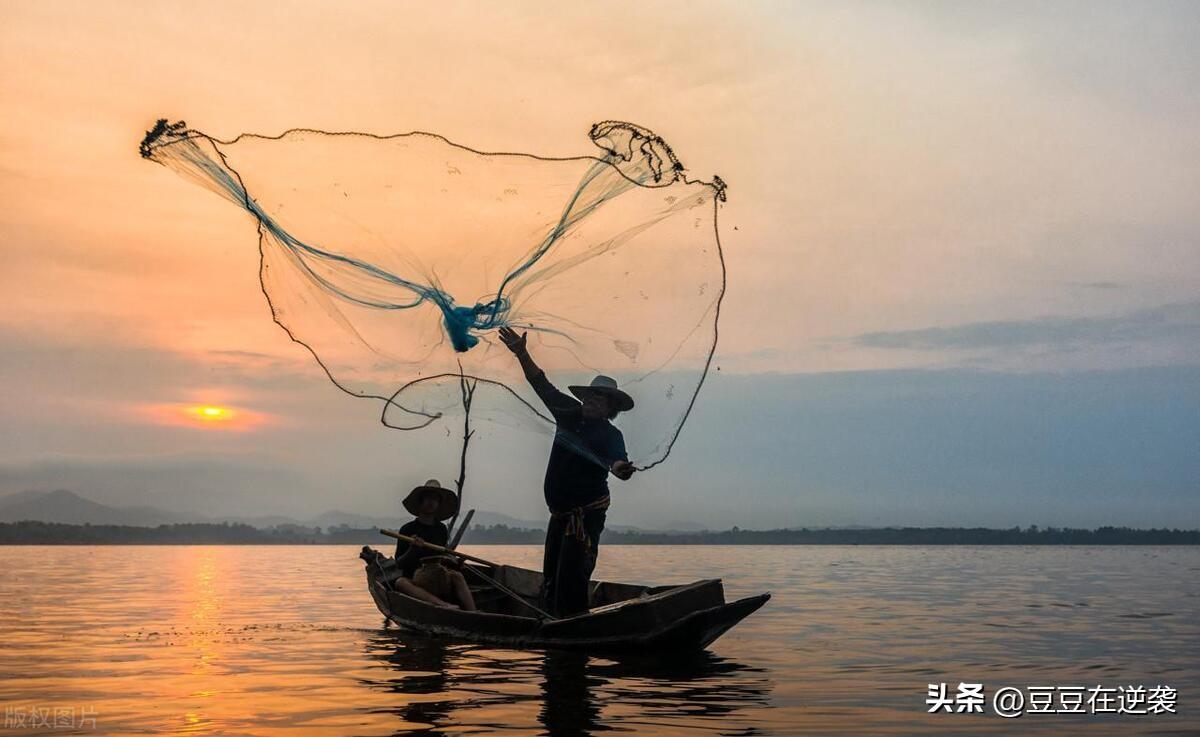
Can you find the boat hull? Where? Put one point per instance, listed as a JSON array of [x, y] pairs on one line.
[[673, 618]]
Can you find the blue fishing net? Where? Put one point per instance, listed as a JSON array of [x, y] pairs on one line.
[[396, 259]]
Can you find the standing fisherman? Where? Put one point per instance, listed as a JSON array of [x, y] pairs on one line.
[[586, 448]]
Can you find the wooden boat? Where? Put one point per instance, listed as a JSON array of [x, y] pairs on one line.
[[624, 617]]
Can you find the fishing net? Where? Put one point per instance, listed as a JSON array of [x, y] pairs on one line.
[[396, 259]]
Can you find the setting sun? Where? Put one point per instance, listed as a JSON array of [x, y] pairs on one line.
[[204, 416], [211, 413]]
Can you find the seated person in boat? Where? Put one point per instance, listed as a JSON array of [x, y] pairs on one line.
[[426, 574], [587, 448]]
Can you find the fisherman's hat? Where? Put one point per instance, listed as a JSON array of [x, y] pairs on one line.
[[605, 386], [447, 500]]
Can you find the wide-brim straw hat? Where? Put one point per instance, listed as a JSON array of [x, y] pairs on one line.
[[604, 386], [447, 500]]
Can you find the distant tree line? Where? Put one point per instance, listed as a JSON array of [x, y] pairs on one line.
[[52, 533], [48, 533], [916, 536]]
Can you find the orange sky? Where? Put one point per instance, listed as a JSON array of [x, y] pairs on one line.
[[886, 171]]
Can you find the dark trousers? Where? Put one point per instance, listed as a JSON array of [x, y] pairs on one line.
[[568, 564]]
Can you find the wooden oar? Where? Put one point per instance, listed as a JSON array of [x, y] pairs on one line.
[[462, 527], [499, 586], [432, 546]]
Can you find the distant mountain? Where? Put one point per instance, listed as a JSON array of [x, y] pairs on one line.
[[491, 519], [67, 507], [684, 526], [335, 517], [261, 521]]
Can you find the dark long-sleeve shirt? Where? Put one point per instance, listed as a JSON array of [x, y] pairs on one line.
[[583, 452], [435, 533]]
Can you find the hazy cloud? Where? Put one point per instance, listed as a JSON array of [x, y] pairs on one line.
[[213, 485], [1135, 57], [1177, 323], [954, 447]]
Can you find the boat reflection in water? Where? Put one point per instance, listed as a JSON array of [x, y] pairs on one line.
[[442, 685]]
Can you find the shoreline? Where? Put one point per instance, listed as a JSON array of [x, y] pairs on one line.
[[46, 533]]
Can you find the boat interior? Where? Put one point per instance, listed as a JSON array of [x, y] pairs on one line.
[[526, 584]]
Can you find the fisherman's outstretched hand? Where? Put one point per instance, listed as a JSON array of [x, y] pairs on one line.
[[623, 470], [515, 343]]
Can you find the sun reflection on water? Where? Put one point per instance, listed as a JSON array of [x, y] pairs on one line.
[[269, 640], [204, 577]]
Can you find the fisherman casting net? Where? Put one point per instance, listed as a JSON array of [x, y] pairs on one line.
[[395, 260]]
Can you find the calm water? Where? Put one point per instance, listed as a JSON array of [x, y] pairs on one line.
[[286, 640]]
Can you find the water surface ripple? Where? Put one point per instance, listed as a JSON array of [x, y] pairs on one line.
[[285, 640]]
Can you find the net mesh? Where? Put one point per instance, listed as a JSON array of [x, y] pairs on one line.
[[396, 259]]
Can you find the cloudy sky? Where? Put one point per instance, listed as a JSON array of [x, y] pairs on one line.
[[962, 240]]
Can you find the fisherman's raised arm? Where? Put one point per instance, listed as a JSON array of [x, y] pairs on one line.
[[518, 345], [555, 401]]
